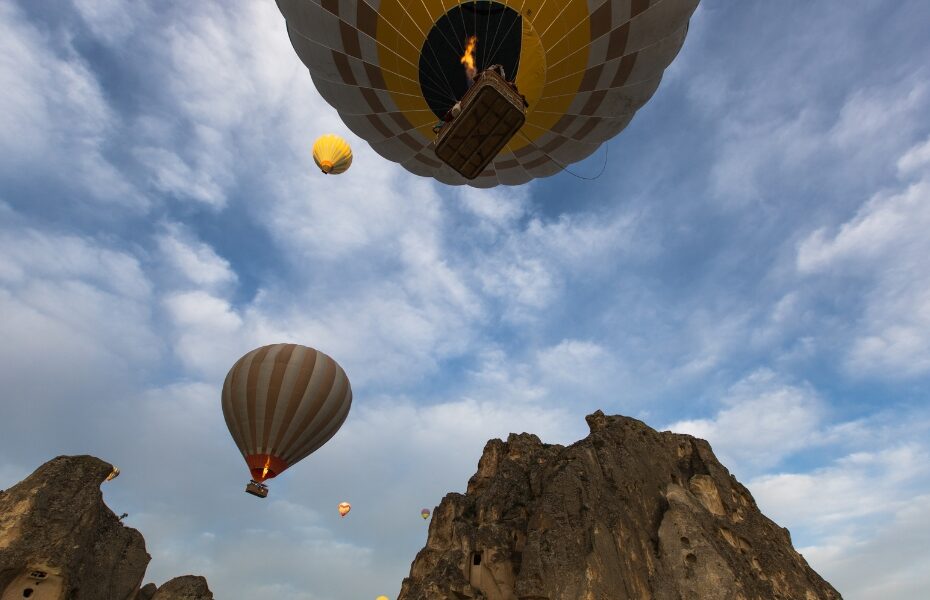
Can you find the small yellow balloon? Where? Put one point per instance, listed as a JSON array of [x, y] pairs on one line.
[[332, 154], [344, 508], [382, 598]]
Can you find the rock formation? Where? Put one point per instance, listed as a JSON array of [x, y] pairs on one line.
[[187, 587], [627, 512], [59, 541]]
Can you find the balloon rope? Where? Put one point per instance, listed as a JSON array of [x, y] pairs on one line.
[[487, 32], [489, 59], [450, 89], [556, 20], [564, 167], [464, 36], [444, 37], [500, 44]]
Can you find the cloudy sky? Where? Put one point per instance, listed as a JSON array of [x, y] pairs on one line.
[[752, 269]]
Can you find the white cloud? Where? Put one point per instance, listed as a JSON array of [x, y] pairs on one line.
[[885, 247], [496, 207], [860, 520], [884, 226], [172, 175], [207, 332], [66, 286], [866, 124], [892, 562], [54, 116], [194, 260], [915, 159], [530, 269], [764, 421], [858, 485], [76, 331], [111, 20], [791, 146]]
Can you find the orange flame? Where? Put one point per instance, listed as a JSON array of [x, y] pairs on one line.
[[468, 59], [265, 470]]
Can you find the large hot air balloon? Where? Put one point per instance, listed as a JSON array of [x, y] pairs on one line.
[[394, 68], [332, 154], [281, 403], [344, 508]]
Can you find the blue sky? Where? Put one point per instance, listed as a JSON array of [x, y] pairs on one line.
[[752, 268]]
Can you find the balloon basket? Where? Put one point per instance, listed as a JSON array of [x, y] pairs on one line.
[[257, 489], [493, 111]]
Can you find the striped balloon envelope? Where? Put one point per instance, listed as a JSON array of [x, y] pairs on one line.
[[393, 69], [281, 403]]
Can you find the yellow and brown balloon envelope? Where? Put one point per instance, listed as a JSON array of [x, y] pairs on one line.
[[281, 403], [393, 68], [332, 154], [424, 513], [344, 508]]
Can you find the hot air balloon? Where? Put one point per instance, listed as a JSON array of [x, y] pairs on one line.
[[344, 508], [281, 403], [382, 598], [332, 154], [394, 69], [424, 513]]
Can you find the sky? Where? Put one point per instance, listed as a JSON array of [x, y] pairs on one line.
[[751, 269]]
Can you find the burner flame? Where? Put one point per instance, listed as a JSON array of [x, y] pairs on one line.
[[468, 59]]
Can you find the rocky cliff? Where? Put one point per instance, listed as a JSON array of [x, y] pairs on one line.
[[59, 541], [187, 587], [627, 512]]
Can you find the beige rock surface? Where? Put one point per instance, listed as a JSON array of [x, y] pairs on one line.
[[186, 587], [627, 512], [59, 540]]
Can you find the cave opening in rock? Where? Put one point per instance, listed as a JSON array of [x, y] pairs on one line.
[[476, 558]]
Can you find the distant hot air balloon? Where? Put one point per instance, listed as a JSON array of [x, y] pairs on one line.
[[344, 508], [424, 513], [394, 68], [382, 598], [332, 154], [281, 403]]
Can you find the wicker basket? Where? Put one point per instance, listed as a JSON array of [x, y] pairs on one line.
[[257, 489], [492, 113]]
